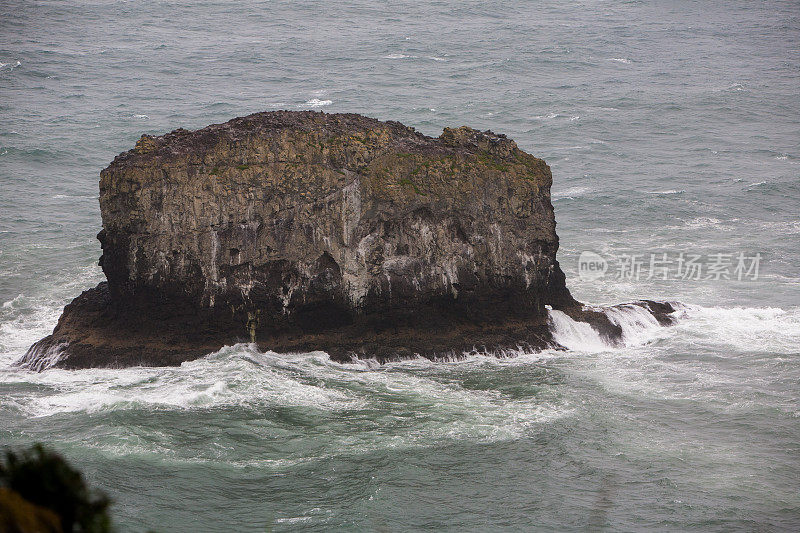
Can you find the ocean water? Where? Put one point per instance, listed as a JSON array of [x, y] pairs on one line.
[[670, 127]]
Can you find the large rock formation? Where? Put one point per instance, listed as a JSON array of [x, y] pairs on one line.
[[312, 231]]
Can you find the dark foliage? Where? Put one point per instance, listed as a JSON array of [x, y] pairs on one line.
[[44, 478]]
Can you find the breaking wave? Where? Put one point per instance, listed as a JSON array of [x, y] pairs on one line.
[[754, 329], [638, 325], [288, 389]]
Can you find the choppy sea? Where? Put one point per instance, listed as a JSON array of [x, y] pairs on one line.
[[673, 132]]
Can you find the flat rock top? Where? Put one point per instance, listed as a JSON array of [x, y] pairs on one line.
[[388, 135]]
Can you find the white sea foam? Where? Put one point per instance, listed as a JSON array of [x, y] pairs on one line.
[[551, 116], [735, 87], [731, 359], [20, 329], [82, 197], [754, 329], [399, 56], [703, 222], [10, 66], [316, 102], [242, 377], [668, 191], [295, 520], [25, 319], [791, 226], [237, 375], [619, 60], [638, 325], [570, 193], [574, 335], [16, 300]]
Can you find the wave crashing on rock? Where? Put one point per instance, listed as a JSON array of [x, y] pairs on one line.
[[302, 231]]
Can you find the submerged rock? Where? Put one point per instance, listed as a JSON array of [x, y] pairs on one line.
[[313, 231]]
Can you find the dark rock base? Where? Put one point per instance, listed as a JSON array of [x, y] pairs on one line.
[[92, 332]]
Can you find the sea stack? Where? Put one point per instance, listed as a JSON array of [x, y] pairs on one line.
[[304, 231]]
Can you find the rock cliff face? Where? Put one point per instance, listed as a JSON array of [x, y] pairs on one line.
[[304, 230]]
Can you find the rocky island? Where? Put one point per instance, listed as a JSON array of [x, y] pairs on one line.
[[302, 231]]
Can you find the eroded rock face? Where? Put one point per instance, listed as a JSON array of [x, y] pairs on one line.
[[304, 230], [309, 219]]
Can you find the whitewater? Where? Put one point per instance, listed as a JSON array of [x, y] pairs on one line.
[[669, 129]]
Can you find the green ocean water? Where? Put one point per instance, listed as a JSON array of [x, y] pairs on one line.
[[670, 127]]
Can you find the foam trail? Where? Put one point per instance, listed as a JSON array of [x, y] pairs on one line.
[[241, 376], [760, 329], [765, 329]]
